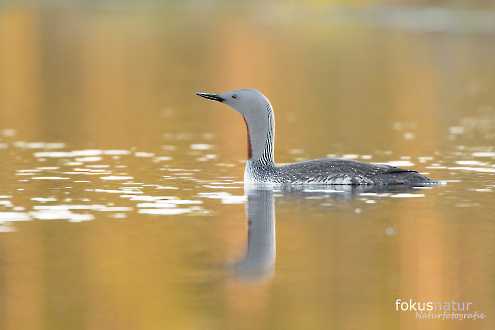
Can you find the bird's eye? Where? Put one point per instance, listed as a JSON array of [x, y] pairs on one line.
[[234, 96]]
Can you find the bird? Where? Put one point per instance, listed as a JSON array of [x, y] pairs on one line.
[[261, 167]]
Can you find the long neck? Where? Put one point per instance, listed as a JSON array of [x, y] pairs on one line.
[[261, 136]]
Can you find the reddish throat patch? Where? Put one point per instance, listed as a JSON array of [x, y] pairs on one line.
[[249, 148]]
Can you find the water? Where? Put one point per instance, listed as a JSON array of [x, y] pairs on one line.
[[121, 196]]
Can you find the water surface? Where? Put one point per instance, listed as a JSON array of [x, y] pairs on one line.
[[121, 197]]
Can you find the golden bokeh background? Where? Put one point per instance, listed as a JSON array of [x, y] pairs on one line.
[[363, 77]]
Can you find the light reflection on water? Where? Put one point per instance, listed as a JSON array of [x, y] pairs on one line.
[[108, 173]]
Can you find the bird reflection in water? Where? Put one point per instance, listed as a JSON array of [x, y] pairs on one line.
[[258, 263]]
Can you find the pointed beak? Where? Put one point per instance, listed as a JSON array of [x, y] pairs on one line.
[[210, 96]]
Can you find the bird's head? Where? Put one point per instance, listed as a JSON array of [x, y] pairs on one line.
[[248, 102], [258, 116]]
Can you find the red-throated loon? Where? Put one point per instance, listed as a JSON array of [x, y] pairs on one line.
[[262, 169]]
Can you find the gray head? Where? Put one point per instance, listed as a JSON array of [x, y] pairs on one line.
[[258, 115]]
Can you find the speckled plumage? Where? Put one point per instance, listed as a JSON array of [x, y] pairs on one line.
[[332, 172]]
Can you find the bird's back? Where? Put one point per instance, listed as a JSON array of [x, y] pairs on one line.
[[343, 171]]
